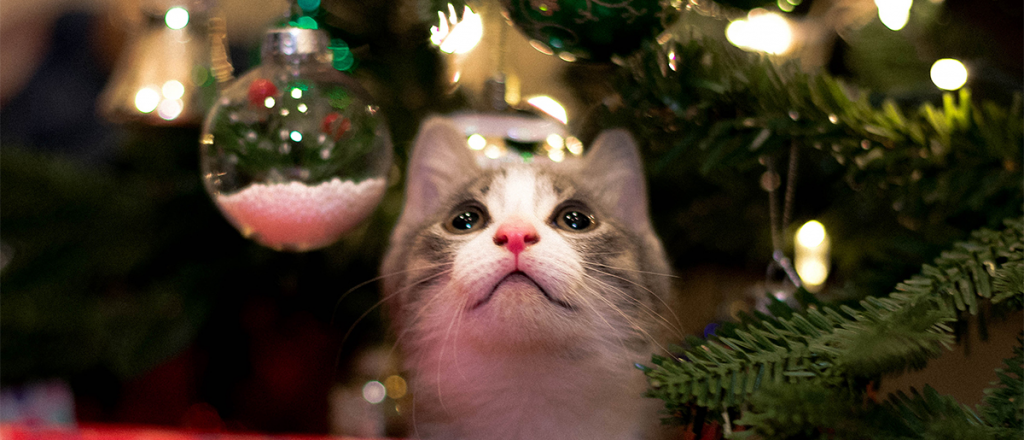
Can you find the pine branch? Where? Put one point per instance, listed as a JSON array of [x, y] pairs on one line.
[[833, 347], [805, 411], [701, 98], [1004, 404]]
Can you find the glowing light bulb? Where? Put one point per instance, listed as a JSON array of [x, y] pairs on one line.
[[574, 145], [374, 392], [173, 89], [761, 31], [396, 387], [894, 14], [477, 142], [176, 18], [811, 234], [555, 141], [295, 136], [493, 151], [452, 35], [147, 99], [812, 255], [556, 155], [949, 74], [296, 93], [169, 109], [548, 105], [812, 272]]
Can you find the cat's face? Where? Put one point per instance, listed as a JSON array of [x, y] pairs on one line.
[[526, 257]]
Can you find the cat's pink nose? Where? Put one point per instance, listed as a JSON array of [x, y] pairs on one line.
[[515, 235]]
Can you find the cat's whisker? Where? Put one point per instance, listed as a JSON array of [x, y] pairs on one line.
[[585, 300], [387, 298], [675, 329], [626, 269], [679, 324], [348, 292], [628, 320], [440, 356]]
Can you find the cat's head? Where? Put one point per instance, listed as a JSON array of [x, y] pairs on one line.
[[524, 257]]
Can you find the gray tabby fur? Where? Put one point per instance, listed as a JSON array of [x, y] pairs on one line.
[[551, 359]]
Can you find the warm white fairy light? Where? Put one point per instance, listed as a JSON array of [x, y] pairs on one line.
[[949, 74], [574, 145], [477, 142], [548, 105], [894, 14], [176, 18], [556, 155], [374, 392], [452, 35], [555, 141], [269, 102], [812, 255], [173, 89], [170, 109], [493, 151], [147, 99], [761, 31]]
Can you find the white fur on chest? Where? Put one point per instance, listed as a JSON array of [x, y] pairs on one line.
[[536, 396]]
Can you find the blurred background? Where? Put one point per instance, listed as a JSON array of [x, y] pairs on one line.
[[128, 298]]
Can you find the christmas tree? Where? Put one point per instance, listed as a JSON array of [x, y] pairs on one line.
[[920, 190]]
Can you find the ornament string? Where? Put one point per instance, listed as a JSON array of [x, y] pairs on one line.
[[778, 231]]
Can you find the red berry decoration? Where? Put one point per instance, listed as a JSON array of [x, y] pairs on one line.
[[260, 89], [335, 125]]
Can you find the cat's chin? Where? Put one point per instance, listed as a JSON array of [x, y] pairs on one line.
[[518, 289]]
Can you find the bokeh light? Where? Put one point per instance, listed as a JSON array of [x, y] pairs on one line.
[[761, 31], [170, 109], [147, 99], [811, 234], [949, 74], [894, 14], [176, 18], [548, 105], [173, 89], [811, 252], [374, 392], [452, 35]]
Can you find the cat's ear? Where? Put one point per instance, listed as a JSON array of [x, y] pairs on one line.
[[440, 161], [614, 168]]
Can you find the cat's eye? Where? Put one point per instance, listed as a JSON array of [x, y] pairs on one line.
[[574, 218], [466, 219]]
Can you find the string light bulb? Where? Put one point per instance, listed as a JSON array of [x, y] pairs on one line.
[[812, 248], [949, 74], [164, 75]]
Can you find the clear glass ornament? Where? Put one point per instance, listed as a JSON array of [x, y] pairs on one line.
[[294, 153]]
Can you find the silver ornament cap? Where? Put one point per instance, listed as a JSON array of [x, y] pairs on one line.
[[294, 44]]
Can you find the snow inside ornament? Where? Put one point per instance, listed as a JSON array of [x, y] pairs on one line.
[[294, 154]]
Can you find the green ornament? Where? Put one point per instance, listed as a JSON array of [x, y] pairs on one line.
[[591, 29]]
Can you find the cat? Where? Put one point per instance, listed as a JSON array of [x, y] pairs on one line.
[[524, 295]]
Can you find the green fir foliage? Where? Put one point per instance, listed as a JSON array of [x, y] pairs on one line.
[[804, 411], [1004, 403], [824, 352], [700, 97]]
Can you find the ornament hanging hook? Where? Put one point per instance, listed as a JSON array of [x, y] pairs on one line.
[[779, 259]]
